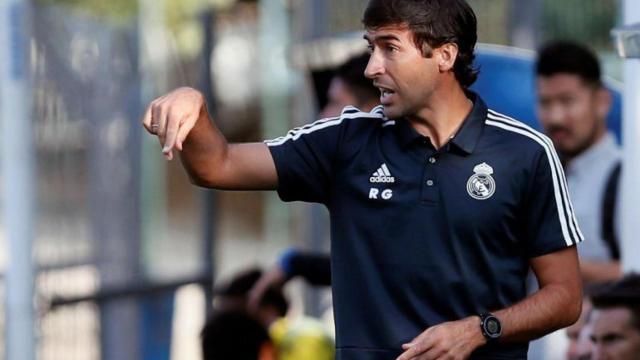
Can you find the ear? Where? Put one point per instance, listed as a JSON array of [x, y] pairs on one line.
[[603, 102], [446, 56]]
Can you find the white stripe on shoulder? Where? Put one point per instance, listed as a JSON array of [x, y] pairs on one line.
[[563, 181], [304, 127], [388, 123], [378, 109], [296, 133], [350, 109], [571, 233]]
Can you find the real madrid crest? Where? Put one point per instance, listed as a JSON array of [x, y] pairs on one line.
[[481, 185]]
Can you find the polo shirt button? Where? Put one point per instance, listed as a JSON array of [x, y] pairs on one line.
[[429, 182], [432, 160]]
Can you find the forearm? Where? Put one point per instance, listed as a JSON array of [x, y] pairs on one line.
[[211, 162], [204, 152], [553, 307], [181, 122], [557, 304]]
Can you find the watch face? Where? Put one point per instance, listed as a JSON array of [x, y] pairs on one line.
[[492, 327]]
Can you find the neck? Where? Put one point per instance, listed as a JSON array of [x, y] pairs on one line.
[[441, 118]]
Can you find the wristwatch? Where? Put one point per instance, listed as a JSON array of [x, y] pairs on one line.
[[490, 327]]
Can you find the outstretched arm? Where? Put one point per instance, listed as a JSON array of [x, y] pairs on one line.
[[181, 122]]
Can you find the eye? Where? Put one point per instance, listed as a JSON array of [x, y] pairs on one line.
[[544, 102], [370, 48], [391, 48], [567, 100]]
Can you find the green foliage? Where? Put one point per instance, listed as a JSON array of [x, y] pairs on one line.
[[122, 11], [180, 16], [586, 21], [118, 11], [492, 18]]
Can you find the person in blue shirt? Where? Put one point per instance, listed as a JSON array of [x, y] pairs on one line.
[[439, 206]]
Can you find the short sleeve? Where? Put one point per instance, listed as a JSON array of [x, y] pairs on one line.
[[304, 159], [550, 222]]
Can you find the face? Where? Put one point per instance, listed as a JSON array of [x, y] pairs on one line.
[[405, 77], [339, 95], [572, 112], [579, 335], [614, 337]]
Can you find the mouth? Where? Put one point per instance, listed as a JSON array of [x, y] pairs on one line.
[[559, 134], [385, 94]]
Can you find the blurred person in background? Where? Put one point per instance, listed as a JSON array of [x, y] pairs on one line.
[[349, 86], [448, 253], [616, 320], [313, 267], [579, 334], [299, 338], [232, 296], [572, 107], [235, 335]]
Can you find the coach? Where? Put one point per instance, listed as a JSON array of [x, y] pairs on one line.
[[439, 206]]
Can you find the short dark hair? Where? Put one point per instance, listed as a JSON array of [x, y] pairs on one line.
[[240, 285], [232, 335], [352, 73], [622, 293], [434, 23], [568, 57]]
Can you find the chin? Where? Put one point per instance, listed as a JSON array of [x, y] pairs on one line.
[[391, 112]]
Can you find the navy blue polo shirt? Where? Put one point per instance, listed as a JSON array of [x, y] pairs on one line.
[[423, 235]]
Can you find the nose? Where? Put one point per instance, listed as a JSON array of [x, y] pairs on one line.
[[375, 66], [551, 114], [557, 114]]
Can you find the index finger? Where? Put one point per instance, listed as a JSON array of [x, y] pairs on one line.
[[171, 134], [414, 349], [146, 119], [410, 353]]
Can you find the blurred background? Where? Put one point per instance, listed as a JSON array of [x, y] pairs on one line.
[[124, 251]]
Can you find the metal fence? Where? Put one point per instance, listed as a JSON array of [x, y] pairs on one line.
[[104, 283]]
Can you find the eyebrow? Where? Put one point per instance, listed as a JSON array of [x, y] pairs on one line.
[[380, 38]]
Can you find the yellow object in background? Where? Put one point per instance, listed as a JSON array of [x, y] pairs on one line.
[[302, 339]]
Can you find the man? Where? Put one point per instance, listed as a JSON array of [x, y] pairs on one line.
[[616, 320], [414, 247], [580, 347], [349, 86], [572, 107]]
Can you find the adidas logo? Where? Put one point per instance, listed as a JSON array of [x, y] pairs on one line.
[[382, 175]]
